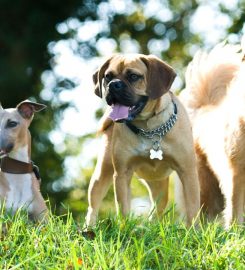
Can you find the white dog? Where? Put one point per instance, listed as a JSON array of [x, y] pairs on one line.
[[215, 99]]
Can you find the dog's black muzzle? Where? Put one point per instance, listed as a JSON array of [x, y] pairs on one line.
[[117, 85], [117, 92]]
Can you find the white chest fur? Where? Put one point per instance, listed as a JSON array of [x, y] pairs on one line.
[[19, 192]]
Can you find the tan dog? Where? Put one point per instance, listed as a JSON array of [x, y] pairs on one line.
[[19, 186], [146, 130], [215, 98]]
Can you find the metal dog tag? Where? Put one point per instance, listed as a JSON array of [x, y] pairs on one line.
[[156, 154]]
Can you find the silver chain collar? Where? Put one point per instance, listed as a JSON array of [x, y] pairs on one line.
[[159, 131], [156, 134]]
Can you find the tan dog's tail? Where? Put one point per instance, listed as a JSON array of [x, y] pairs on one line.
[[209, 75]]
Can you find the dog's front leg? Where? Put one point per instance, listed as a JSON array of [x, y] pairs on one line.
[[39, 210], [101, 180], [98, 188], [122, 180]]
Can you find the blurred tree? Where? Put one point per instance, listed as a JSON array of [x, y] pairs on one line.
[[29, 30], [26, 29]]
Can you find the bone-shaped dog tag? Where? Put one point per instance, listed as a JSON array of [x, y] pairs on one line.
[[156, 154]]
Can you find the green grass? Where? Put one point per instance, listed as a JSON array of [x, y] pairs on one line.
[[134, 243]]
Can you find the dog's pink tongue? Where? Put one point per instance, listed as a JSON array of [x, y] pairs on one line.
[[119, 112]]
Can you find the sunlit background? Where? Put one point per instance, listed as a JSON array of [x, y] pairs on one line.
[[82, 38], [207, 21]]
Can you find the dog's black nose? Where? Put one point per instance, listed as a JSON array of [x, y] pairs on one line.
[[117, 85]]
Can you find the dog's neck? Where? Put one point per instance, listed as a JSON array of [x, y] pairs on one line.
[[155, 111], [23, 151], [21, 154]]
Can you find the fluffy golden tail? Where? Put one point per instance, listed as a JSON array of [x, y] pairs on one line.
[[209, 75]]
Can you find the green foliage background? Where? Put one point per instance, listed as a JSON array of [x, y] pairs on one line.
[[28, 31]]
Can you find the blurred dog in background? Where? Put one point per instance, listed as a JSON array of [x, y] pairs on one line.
[[215, 99]]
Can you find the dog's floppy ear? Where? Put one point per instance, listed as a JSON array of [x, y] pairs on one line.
[[160, 76], [98, 77], [27, 108]]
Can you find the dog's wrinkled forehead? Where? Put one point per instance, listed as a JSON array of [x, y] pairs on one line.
[[157, 75], [121, 64]]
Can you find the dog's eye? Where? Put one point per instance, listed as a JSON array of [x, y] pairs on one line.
[[134, 77], [11, 124], [108, 76]]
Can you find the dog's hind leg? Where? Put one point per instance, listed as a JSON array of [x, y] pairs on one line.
[[212, 200], [238, 198], [234, 201], [158, 191]]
